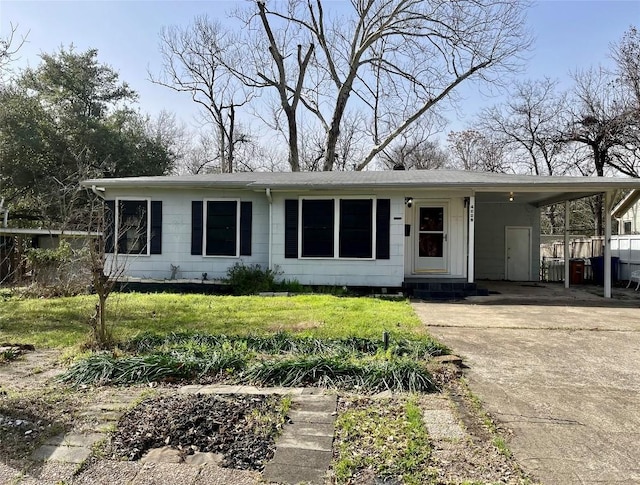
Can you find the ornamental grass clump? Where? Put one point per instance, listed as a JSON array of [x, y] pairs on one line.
[[106, 369], [285, 342], [367, 375]]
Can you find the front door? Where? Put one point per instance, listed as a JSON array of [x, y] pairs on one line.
[[518, 253], [431, 245]]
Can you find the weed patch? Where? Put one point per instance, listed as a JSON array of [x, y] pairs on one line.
[[385, 438]]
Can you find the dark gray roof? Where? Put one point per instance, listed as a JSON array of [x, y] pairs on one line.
[[479, 181]]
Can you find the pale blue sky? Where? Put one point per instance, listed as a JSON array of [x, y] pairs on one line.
[[569, 35]]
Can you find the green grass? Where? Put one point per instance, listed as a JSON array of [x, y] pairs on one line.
[[61, 322]]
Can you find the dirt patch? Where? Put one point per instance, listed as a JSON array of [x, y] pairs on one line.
[[31, 369], [241, 428]]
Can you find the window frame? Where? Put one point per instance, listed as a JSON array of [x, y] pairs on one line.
[[205, 214], [116, 244], [336, 226]]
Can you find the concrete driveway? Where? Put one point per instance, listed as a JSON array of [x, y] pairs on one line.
[[558, 368]]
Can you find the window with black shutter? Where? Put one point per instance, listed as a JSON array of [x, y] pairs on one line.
[[383, 229], [132, 226], [221, 230], [156, 227], [291, 228], [338, 228], [109, 226], [356, 228], [318, 225]]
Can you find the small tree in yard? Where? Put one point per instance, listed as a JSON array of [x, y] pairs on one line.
[[106, 270]]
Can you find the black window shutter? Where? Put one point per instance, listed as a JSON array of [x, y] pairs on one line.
[[196, 227], [156, 227], [383, 221], [109, 225], [245, 228], [291, 228]]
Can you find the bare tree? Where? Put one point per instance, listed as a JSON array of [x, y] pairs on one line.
[[9, 47], [349, 148], [195, 61], [472, 150], [418, 154], [529, 124], [401, 59]]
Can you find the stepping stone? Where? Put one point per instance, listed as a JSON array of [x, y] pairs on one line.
[[441, 424], [190, 389], [75, 439], [166, 454], [311, 417], [64, 454], [321, 443], [324, 404], [292, 474], [219, 389], [309, 429], [200, 458]]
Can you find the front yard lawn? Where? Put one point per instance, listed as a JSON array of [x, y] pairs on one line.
[[308, 340], [61, 322]]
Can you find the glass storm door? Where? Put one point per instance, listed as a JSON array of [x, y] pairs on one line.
[[431, 239]]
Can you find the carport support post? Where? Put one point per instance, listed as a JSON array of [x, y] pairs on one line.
[[567, 214], [471, 239], [608, 202]]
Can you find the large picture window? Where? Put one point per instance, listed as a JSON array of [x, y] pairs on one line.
[[337, 228]]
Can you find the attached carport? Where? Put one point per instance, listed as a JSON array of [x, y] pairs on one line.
[[540, 192]]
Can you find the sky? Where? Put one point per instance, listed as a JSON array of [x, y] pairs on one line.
[[569, 35]]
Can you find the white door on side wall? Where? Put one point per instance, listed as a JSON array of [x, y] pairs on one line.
[[431, 241], [518, 253]]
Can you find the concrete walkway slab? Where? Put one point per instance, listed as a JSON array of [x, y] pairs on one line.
[[563, 378], [294, 440]]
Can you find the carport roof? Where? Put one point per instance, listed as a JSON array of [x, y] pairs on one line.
[[538, 190]]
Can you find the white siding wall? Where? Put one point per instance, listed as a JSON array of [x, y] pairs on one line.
[[383, 272], [632, 216], [492, 216], [176, 235]]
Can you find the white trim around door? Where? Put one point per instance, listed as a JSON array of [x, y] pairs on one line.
[[431, 238]]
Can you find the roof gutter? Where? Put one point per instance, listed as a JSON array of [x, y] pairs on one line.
[[99, 191]]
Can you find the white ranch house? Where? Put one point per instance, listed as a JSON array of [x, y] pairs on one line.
[[389, 229]]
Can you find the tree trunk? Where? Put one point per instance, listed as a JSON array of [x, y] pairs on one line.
[[599, 157], [232, 120], [101, 322], [294, 157]]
